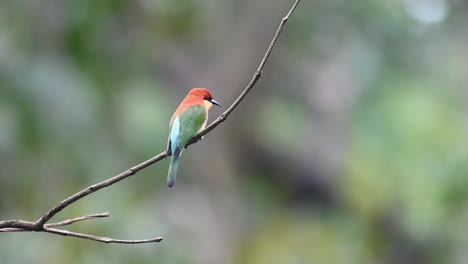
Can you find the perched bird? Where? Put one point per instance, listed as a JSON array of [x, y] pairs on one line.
[[188, 119]]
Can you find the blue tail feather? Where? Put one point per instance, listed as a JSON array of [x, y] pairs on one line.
[[171, 176]]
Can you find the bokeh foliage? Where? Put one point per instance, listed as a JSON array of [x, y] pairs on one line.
[[352, 148]]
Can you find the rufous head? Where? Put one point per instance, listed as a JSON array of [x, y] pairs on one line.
[[204, 94]]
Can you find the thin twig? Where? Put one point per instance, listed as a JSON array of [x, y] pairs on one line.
[[98, 238], [95, 187], [41, 224], [61, 223], [77, 219], [253, 81]]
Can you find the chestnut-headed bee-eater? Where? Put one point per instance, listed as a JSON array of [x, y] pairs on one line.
[[188, 119]]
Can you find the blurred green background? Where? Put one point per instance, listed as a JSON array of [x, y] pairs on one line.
[[352, 148]]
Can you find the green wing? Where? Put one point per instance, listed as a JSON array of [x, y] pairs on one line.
[[191, 120], [183, 128]]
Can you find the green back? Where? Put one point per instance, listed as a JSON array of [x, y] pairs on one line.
[[191, 120]]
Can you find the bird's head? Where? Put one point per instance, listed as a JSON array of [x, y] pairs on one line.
[[205, 95]]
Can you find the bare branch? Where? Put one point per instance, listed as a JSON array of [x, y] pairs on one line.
[[49, 228], [14, 229], [253, 81], [17, 224], [95, 187], [41, 224], [77, 219], [98, 238], [20, 225]]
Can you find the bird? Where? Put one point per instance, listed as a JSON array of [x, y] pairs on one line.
[[188, 119]]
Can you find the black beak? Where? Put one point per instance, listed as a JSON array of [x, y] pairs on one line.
[[215, 103]]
